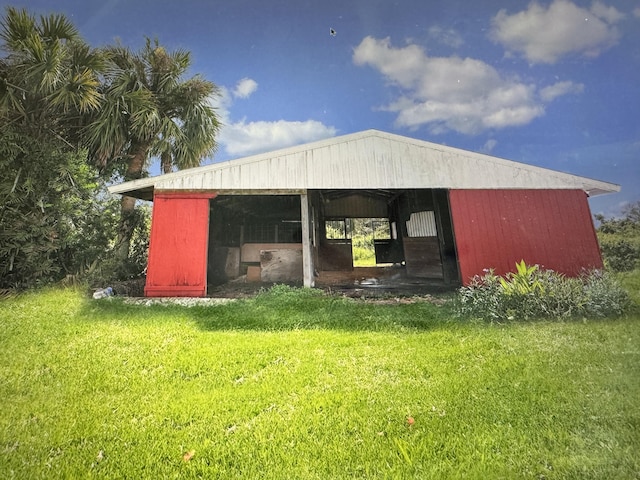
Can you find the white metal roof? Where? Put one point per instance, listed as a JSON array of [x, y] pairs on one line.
[[366, 160]]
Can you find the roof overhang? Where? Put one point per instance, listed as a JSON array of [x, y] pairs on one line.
[[369, 160]]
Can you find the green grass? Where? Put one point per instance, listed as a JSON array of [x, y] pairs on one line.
[[631, 282], [297, 385], [364, 256]]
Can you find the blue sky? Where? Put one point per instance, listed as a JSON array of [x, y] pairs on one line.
[[549, 83]]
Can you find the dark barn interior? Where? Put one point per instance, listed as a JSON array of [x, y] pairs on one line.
[[258, 238]]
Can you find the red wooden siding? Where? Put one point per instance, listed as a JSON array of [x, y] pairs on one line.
[[178, 245], [497, 228]]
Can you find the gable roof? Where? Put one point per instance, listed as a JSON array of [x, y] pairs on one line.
[[365, 160]]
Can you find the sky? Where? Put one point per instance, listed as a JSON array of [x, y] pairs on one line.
[[549, 83]]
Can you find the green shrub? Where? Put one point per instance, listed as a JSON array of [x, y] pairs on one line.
[[108, 269], [620, 254], [534, 293], [630, 281], [620, 239], [604, 296]]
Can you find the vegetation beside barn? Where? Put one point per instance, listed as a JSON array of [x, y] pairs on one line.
[[620, 239]]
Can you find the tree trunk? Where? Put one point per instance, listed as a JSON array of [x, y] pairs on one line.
[[128, 204], [166, 161], [126, 227]]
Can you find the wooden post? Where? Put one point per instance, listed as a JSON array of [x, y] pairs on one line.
[[307, 258]]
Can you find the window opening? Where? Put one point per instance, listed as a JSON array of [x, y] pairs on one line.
[[337, 229], [362, 232]]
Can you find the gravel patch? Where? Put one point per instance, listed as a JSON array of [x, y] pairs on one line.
[[183, 301]]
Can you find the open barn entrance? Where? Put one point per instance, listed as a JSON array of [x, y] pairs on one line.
[[383, 237], [255, 238]]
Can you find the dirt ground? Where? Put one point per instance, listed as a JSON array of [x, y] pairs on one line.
[[376, 293], [371, 290]]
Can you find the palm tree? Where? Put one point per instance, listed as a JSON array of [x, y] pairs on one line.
[[148, 109], [49, 75]]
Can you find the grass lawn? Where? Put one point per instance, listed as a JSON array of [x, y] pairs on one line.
[[294, 385]]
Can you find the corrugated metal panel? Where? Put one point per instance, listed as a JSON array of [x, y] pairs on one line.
[[178, 246], [366, 160], [497, 228], [422, 224]]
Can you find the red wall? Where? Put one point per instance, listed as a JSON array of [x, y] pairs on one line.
[[497, 228], [178, 245]]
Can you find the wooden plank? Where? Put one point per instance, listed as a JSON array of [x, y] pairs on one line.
[[232, 263], [336, 255], [253, 274], [422, 257], [250, 252], [281, 265]]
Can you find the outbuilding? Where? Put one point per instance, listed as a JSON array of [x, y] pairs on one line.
[[445, 215]]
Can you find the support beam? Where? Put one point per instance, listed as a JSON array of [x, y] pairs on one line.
[[307, 257]]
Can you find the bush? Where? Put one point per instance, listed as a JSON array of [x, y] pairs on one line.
[[620, 254], [534, 293], [620, 239], [108, 269], [49, 211], [604, 296]]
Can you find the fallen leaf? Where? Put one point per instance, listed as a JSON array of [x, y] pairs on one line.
[[189, 455]]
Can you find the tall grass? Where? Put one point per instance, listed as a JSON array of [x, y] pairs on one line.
[[293, 384]]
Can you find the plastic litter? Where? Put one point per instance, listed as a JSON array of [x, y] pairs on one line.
[[103, 293]]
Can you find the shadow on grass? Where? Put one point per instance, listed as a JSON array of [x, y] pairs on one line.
[[285, 309]]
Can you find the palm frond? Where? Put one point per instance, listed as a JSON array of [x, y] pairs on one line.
[[79, 93], [55, 27], [82, 56], [17, 27]]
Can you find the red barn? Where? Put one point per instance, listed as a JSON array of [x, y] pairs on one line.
[[437, 214]]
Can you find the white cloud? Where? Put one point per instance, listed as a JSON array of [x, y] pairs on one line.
[[246, 138], [561, 88], [241, 138], [636, 12], [545, 34], [245, 87], [608, 14], [447, 36], [489, 145], [453, 93]]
